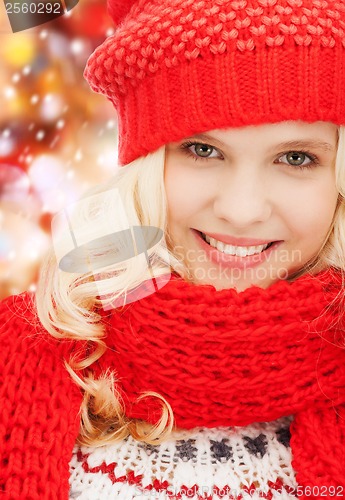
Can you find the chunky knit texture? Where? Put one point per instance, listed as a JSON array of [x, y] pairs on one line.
[[250, 463], [221, 358], [174, 68], [227, 358], [39, 407]]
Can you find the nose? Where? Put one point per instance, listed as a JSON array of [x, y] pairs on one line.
[[244, 198]]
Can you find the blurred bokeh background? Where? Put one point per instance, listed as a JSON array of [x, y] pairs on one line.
[[57, 138]]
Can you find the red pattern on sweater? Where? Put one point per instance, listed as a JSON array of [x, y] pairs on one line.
[[265, 491]]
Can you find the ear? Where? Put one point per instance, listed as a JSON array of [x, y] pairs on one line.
[[119, 8]]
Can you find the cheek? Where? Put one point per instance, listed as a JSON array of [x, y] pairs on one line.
[[186, 193], [179, 204], [310, 212]]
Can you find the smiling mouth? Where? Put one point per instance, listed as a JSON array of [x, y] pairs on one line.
[[239, 251]]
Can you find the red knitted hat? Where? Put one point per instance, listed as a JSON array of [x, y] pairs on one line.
[[174, 68]]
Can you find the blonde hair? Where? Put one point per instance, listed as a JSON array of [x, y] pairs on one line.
[[65, 301]]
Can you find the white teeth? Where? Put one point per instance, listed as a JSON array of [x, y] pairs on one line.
[[233, 250], [241, 251], [220, 246]]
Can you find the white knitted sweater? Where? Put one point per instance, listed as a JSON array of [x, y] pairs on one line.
[[202, 464]]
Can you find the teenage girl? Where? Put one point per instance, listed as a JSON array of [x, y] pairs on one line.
[[187, 336]]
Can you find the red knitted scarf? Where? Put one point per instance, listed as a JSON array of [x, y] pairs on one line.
[[223, 358]]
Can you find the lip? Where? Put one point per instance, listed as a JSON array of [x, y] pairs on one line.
[[238, 242], [234, 261]]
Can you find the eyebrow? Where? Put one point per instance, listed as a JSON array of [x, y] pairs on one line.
[[324, 146], [310, 143]]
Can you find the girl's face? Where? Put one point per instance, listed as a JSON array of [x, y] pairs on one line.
[[251, 205]]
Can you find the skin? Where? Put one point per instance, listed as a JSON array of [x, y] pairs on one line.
[[247, 186]]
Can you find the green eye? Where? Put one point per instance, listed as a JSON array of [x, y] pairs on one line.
[[203, 150], [296, 158], [299, 160]]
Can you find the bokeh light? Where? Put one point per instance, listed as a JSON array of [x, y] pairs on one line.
[[57, 138]]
